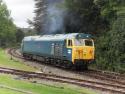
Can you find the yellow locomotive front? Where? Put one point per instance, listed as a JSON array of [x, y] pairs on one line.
[[82, 50]]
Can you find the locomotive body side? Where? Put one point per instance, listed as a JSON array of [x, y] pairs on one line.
[[45, 48]]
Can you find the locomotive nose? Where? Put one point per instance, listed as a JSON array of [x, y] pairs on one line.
[[83, 53]]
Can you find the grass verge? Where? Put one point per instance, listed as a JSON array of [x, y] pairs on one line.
[[5, 61], [34, 88]]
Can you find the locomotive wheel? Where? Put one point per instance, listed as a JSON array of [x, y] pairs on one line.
[[51, 61], [47, 61], [57, 61], [67, 64], [85, 66]]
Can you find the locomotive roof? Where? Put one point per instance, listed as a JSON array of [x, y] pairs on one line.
[[55, 37]]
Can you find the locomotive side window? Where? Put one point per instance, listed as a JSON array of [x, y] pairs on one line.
[[70, 43]]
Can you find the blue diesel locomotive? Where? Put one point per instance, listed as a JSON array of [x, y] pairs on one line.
[[75, 49]]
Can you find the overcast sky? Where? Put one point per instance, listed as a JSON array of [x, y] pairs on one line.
[[21, 10]]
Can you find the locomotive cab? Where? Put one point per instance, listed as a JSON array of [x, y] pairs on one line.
[[82, 49]]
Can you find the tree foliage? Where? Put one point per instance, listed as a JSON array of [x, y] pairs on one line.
[[19, 35], [40, 17], [110, 51], [7, 28], [108, 9], [84, 16], [110, 47]]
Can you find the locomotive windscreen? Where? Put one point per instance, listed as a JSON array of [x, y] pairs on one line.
[[82, 42], [88, 43]]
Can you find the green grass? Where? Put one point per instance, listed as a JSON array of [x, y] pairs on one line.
[[7, 91], [6, 62], [7, 80]]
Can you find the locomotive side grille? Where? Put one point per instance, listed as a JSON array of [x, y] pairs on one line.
[[58, 48]]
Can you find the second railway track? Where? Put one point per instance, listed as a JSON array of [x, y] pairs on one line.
[[116, 81], [85, 83]]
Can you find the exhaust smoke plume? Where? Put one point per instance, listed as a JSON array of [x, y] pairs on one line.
[[54, 23]]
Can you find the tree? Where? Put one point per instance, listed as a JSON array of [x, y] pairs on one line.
[[109, 9], [40, 11], [111, 43], [112, 46], [7, 28], [19, 35], [83, 16]]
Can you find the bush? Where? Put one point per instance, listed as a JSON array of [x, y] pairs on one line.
[[110, 48]]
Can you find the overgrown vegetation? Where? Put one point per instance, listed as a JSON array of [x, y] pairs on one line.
[[110, 51], [112, 46]]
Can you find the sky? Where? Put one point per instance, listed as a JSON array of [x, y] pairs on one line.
[[21, 10]]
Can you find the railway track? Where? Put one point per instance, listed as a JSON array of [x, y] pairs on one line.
[[104, 75], [116, 82], [13, 53], [112, 75], [84, 83]]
